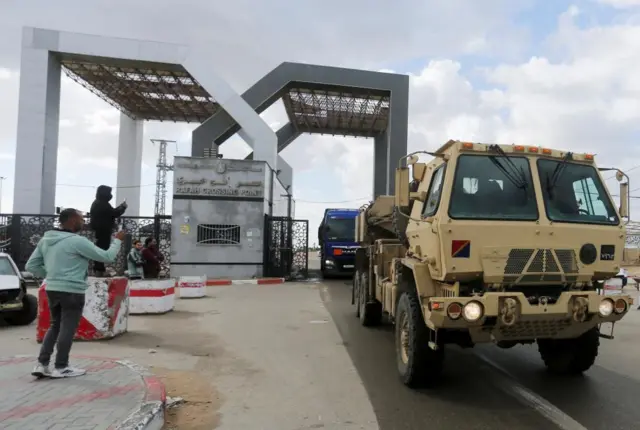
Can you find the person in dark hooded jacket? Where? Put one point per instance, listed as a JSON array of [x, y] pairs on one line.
[[102, 221]]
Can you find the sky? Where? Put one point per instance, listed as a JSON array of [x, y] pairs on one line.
[[535, 72]]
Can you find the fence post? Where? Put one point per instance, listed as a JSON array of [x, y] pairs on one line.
[[15, 235], [156, 228]]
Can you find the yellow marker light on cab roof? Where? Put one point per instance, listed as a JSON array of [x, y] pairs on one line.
[[467, 145], [533, 149], [518, 148], [546, 151]]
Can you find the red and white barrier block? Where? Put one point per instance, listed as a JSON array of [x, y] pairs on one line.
[[105, 314], [151, 296], [192, 287], [259, 281]]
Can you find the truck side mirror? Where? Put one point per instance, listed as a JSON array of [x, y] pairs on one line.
[[401, 195], [27, 276], [418, 171], [624, 199]]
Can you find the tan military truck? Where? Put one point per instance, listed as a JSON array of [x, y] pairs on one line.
[[492, 243]]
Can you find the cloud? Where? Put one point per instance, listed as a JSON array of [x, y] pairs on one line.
[[586, 102], [578, 92], [620, 4]]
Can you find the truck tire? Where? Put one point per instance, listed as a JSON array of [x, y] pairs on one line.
[[418, 364], [570, 356], [369, 312], [27, 314], [353, 287]]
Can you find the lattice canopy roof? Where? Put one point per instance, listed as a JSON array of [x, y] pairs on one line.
[[313, 108], [141, 89]]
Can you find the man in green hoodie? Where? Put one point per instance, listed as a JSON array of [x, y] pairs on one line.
[[62, 257]]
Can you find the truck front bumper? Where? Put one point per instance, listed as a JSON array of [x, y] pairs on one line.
[[511, 317]]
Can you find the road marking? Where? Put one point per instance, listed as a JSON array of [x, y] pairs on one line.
[[541, 405]]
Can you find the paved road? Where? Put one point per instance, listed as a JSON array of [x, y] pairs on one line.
[[490, 388]]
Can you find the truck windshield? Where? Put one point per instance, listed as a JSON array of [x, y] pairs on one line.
[[578, 195], [488, 187], [341, 229]]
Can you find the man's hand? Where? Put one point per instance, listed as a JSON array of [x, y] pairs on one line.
[[120, 235], [124, 204]]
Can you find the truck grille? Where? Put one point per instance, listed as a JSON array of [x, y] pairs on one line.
[[541, 265], [534, 329]]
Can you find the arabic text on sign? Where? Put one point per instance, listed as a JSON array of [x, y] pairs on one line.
[[199, 191]]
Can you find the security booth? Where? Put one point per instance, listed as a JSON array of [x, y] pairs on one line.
[[218, 214]]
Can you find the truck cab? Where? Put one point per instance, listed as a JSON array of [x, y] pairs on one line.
[[336, 237], [504, 244]]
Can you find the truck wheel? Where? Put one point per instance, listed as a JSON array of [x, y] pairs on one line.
[[570, 356], [370, 313], [356, 292], [27, 314], [418, 364], [353, 288]]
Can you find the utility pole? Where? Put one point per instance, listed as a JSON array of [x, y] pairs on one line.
[[2, 178], [161, 176]]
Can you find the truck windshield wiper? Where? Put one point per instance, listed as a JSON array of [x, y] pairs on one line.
[[552, 181], [513, 173]]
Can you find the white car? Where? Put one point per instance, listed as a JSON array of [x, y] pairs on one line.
[[17, 307]]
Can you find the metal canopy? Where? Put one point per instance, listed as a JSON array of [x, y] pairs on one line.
[[143, 90], [337, 111]]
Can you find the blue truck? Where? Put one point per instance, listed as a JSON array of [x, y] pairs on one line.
[[336, 237]]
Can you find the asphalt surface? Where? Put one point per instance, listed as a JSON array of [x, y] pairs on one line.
[[490, 388]]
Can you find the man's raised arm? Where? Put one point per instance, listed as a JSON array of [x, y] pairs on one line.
[[88, 250]]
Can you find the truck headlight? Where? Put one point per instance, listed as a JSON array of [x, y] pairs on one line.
[[329, 262], [606, 307], [473, 311]]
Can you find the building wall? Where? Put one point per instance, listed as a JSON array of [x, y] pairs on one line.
[[218, 217]]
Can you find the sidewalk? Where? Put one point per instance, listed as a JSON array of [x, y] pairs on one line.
[[113, 395]]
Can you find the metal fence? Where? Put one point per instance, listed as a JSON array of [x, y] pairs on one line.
[[20, 233], [286, 243]]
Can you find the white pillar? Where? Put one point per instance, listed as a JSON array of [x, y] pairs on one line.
[[37, 137], [129, 164]]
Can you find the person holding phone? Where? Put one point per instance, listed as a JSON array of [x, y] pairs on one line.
[[103, 221], [62, 257]]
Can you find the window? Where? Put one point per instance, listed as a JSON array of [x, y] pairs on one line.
[[6, 268], [218, 234], [493, 188], [340, 229], [435, 192], [576, 194]]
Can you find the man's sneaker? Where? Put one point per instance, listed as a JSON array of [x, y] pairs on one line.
[[67, 372], [40, 371]]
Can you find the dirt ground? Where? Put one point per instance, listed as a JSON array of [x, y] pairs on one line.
[[201, 403]]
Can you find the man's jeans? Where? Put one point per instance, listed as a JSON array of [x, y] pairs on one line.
[[66, 311]]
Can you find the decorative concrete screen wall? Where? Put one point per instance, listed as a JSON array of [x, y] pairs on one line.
[[218, 217]]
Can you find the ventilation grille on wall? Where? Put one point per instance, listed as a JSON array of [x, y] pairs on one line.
[[218, 234]]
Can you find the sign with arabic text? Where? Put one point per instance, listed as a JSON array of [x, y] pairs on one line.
[[218, 187]]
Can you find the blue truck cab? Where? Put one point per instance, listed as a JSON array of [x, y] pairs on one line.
[[336, 237]]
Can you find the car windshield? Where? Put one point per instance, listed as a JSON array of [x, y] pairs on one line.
[[341, 229], [493, 187], [6, 268], [577, 194]]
